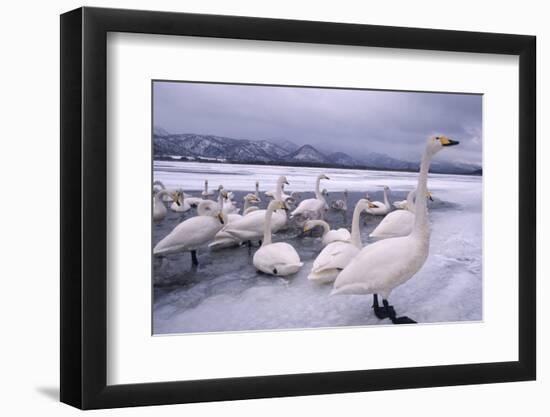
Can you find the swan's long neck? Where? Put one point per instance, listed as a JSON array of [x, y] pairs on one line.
[[410, 200], [161, 194], [355, 233], [386, 201], [318, 194], [257, 192], [421, 225], [220, 201], [279, 190], [322, 223], [206, 187], [267, 227], [160, 184]]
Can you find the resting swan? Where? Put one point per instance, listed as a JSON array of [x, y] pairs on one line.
[[251, 226], [313, 208], [279, 258], [193, 233], [381, 209], [180, 205], [159, 209], [340, 205], [386, 264], [398, 222], [329, 236], [336, 255]]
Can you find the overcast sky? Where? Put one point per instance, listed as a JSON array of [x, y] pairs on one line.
[[352, 121]]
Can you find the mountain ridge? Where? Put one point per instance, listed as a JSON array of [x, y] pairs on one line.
[[212, 148]]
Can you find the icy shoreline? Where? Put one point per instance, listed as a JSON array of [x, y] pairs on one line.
[[226, 294]]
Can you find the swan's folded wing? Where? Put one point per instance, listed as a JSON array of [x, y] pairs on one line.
[[342, 235], [397, 223], [336, 255], [189, 234], [378, 266], [309, 205]]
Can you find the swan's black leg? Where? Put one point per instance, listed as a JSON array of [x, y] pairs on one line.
[[396, 320], [380, 312], [260, 242], [194, 259]]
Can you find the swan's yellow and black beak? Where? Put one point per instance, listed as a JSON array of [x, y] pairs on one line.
[[286, 182], [371, 205], [429, 195], [306, 229], [445, 141], [176, 198], [220, 218]]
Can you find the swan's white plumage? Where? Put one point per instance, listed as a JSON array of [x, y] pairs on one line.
[[382, 266], [193, 201], [226, 240], [181, 205], [400, 205], [332, 259], [279, 258], [381, 208], [312, 208], [395, 224], [194, 232], [329, 236], [336, 255], [251, 226], [191, 233], [159, 209], [386, 264]]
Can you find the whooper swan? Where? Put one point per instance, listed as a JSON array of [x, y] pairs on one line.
[[386, 264]]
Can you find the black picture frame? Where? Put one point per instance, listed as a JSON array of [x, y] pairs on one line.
[[84, 207]]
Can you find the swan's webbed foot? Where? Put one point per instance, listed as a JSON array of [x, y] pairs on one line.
[[381, 312], [393, 316], [194, 259], [403, 320]]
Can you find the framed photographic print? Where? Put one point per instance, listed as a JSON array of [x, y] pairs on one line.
[[258, 207]]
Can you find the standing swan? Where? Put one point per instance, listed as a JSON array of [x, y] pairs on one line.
[[329, 236], [279, 258], [313, 208], [381, 209], [193, 233], [336, 255], [205, 194], [257, 191], [386, 264]]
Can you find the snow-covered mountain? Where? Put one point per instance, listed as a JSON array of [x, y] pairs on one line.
[[307, 153], [159, 131], [218, 148]]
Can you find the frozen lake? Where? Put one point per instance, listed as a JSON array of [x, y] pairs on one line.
[[225, 293]]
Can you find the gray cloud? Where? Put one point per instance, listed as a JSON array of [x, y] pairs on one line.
[[353, 121]]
